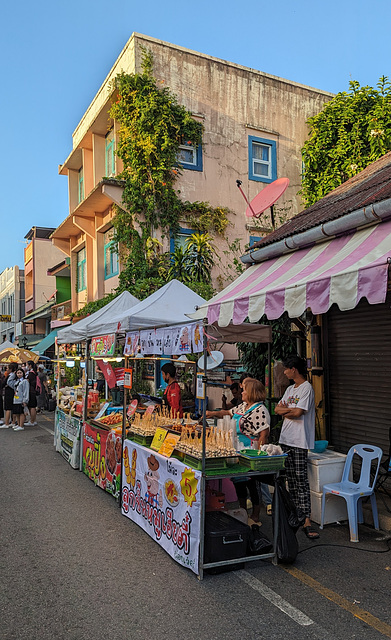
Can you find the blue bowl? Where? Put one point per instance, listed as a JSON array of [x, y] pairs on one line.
[[320, 446]]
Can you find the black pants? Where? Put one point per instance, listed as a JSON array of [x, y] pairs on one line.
[[241, 491]]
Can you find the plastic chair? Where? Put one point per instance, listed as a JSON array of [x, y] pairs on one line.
[[352, 492]]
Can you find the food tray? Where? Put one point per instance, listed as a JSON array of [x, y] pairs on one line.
[[145, 441], [249, 458]]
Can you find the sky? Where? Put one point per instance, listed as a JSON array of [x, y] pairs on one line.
[[54, 56]]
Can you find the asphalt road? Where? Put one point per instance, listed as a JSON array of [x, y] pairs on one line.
[[71, 566]]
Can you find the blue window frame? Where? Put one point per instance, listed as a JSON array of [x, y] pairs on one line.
[[81, 270], [190, 157], [262, 159], [253, 240], [109, 154], [80, 187], [111, 254], [180, 239]]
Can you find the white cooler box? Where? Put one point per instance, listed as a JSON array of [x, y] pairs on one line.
[[335, 508], [324, 468]]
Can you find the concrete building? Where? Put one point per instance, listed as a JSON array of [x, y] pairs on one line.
[[254, 127], [11, 300]]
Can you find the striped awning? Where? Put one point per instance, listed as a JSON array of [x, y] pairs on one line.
[[342, 271]]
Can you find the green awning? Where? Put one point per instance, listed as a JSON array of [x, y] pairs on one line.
[[47, 342]]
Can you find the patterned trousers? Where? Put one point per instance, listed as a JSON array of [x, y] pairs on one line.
[[297, 476]]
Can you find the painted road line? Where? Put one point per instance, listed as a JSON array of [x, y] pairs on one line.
[[274, 598], [363, 615]]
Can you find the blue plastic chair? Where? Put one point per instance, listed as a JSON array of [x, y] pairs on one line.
[[352, 492]]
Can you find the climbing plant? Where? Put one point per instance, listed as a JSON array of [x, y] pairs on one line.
[[352, 130]]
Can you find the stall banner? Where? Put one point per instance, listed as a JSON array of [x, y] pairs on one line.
[[162, 496], [183, 341], [119, 373], [67, 430], [103, 346], [108, 373], [167, 341], [132, 340], [102, 457], [197, 336]]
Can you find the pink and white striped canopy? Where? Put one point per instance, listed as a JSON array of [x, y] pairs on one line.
[[342, 271]]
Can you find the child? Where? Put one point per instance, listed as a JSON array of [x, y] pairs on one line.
[[21, 396]]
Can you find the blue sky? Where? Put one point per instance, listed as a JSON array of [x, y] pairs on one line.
[[54, 57]]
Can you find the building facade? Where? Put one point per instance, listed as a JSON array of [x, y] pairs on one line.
[[11, 301], [254, 128]]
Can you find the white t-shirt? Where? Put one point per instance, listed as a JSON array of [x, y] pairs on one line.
[[301, 431]]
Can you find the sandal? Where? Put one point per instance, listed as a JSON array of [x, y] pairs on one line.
[[269, 509], [311, 533]]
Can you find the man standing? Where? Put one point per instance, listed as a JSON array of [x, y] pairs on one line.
[[172, 393], [297, 407]]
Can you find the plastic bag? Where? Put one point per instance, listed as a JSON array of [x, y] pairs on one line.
[[258, 542], [296, 517], [287, 545]]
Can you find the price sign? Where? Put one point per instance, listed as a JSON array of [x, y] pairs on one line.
[[128, 378], [132, 408], [189, 486], [169, 444], [158, 438], [200, 391], [149, 410]]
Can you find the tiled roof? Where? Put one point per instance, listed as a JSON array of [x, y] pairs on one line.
[[371, 185]]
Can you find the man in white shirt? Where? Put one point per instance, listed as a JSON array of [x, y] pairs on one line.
[[297, 407]]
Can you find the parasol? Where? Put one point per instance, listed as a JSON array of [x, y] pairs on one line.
[[17, 355]]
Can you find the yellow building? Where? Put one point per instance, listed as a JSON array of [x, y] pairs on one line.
[[254, 127]]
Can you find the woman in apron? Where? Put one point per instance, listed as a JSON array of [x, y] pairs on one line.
[[252, 428]]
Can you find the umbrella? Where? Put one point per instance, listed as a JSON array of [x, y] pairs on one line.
[[18, 355]]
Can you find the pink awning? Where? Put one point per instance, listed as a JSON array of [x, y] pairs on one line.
[[342, 271]]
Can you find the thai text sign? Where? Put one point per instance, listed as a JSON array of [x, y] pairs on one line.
[[102, 457], [103, 346], [162, 496], [67, 437]]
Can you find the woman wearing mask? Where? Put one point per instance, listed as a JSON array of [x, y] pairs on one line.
[[21, 396]]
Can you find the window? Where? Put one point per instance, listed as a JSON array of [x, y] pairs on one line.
[[180, 239], [190, 156], [80, 190], [109, 154], [111, 254], [253, 240], [81, 270], [262, 159]]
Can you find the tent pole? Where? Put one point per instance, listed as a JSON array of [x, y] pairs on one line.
[[269, 365], [202, 523]]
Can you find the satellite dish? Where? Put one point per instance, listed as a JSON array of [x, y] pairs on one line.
[[214, 360], [267, 197]]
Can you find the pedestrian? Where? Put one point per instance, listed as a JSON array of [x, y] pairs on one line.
[[32, 401], [10, 379], [172, 394], [21, 397], [2, 385], [297, 408], [42, 388]]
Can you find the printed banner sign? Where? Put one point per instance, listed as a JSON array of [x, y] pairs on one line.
[[103, 346], [67, 437], [108, 373], [162, 496], [168, 341], [102, 457]]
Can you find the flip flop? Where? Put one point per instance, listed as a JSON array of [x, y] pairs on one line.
[[311, 533]]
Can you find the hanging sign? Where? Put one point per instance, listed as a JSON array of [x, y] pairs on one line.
[[103, 346], [128, 378], [108, 373], [132, 408], [200, 390]]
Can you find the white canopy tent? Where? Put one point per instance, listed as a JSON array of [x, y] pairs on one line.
[[100, 322], [167, 306]]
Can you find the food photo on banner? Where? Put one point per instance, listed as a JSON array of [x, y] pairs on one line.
[[102, 457], [178, 340], [162, 496], [67, 440]]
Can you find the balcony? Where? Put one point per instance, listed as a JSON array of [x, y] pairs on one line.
[[61, 311]]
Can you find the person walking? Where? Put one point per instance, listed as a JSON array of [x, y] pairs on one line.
[[32, 401], [21, 397], [297, 408], [10, 379]]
